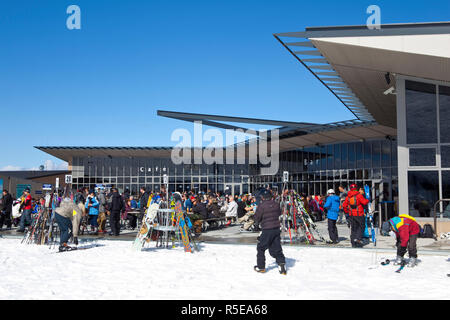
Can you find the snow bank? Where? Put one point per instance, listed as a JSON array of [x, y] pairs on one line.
[[114, 271]]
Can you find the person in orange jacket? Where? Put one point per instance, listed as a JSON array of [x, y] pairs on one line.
[[354, 206]]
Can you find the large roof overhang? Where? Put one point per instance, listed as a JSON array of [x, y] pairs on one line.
[[295, 135], [67, 153], [356, 63]]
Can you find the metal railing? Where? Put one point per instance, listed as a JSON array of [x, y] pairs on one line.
[[435, 214]]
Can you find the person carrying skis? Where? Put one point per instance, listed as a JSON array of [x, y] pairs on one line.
[[332, 206], [267, 215], [407, 231], [354, 206], [68, 217]]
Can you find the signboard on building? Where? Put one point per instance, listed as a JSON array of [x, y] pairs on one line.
[[57, 183], [285, 176], [68, 179], [165, 179], [47, 187]]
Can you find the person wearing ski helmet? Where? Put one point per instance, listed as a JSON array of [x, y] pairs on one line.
[[407, 231], [354, 205], [267, 215], [332, 206]]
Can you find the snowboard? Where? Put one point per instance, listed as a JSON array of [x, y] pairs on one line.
[[184, 231], [147, 226]]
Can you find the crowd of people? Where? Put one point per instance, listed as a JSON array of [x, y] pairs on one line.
[[260, 213]]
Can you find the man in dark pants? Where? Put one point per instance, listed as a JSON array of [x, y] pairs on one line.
[[143, 200], [25, 219], [354, 206], [268, 217], [117, 206], [407, 231], [68, 217], [5, 214]]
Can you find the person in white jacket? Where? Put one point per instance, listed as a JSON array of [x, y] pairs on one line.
[[231, 212]]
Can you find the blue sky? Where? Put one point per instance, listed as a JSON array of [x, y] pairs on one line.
[[102, 85]]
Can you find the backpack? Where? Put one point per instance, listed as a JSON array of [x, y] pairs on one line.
[[428, 231], [353, 203], [385, 228]]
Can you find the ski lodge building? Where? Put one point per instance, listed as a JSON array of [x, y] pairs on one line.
[[395, 80]]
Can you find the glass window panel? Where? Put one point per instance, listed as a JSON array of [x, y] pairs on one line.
[[323, 158], [421, 113], [423, 192], [445, 156], [359, 155], [359, 174], [422, 157], [444, 113], [351, 156], [367, 155], [330, 158], [337, 156], [376, 154], [446, 192], [386, 153], [386, 174], [344, 156], [394, 153]]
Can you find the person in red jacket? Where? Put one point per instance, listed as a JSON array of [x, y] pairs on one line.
[[25, 219], [407, 231], [354, 206]]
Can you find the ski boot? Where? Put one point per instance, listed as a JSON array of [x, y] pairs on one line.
[[65, 247], [398, 261], [412, 262], [259, 270], [282, 269]]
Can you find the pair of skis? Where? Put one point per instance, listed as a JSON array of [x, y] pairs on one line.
[[401, 267], [310, 222]]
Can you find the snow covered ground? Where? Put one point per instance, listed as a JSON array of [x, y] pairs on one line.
[[114, 271]]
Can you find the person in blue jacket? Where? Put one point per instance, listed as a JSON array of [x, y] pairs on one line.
[[332, 206], [92, 206]]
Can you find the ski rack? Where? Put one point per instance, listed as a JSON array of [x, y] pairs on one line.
[[163, 226]]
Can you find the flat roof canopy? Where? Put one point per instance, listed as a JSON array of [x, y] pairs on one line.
[[356, 63], [67, 153]]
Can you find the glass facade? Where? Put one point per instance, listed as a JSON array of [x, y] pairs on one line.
[[312, 170], [318, 169], [134, 173], [428, 142]]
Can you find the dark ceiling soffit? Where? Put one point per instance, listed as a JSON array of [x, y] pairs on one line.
[[362, 30], [315, 75], [203, 117]]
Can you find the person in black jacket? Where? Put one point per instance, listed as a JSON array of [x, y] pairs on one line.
[[199, 214], [5, 214], [117, 206], [143, 200], [268, 217]]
